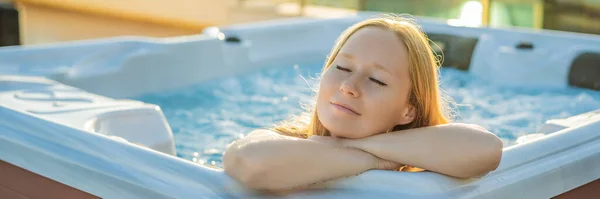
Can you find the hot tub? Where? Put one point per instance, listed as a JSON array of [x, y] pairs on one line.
[[76, 112]]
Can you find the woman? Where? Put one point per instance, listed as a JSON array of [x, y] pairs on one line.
[[378, 107]]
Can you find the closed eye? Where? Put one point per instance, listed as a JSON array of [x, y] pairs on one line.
[[377, 81], [342, 68], [370, 78]]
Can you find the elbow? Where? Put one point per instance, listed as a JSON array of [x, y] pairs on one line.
[[487, 160], [491, 153], [246, 169], [238, 166], [496, 153]]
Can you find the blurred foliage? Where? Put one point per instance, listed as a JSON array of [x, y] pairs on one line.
[[568, 15]]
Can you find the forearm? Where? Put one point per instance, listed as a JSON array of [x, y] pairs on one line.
[[456, 149], [284, 163]]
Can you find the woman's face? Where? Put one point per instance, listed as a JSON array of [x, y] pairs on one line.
[[365, 90]]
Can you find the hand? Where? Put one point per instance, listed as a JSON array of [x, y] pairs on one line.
[[338, 142], [382, 164], [378, 163]]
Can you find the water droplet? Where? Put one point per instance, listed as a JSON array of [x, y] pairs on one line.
[[194, 159], [201, 162], [285, 98], [195, 154], [296, 66], [213, 163]]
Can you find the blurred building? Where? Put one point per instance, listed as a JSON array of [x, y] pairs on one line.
[[46, 21]]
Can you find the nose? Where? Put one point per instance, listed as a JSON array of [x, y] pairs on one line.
[[349, 87]]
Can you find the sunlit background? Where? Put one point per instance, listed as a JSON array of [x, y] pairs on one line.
[[46, 21]]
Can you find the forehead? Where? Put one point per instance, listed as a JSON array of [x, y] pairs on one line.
[[375, 45]]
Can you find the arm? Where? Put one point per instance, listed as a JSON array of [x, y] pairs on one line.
[[267, 160], [459, 150]]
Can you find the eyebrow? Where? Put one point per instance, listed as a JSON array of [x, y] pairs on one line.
[[376, 65]]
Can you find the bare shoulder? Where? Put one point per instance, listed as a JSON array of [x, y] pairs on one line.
[[262, 132], [475, 127], [255, 136], [266, 134]]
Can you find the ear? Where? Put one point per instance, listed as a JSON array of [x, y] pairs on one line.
[[407, 115]]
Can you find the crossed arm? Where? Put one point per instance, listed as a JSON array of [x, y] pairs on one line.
[[269, 161]]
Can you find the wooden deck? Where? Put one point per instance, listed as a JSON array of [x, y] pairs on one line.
[[18, 183], [589, 190]]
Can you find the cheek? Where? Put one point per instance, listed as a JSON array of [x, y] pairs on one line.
[[385, 108], [328, 83], [326, 88]]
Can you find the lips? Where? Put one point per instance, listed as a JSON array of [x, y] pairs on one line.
[[345, 107]]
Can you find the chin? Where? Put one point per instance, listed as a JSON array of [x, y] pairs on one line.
[[339, 130], [339, 127], [337, 135], [346, 135]]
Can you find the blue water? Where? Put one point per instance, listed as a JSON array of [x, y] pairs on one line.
[[208, 116]]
